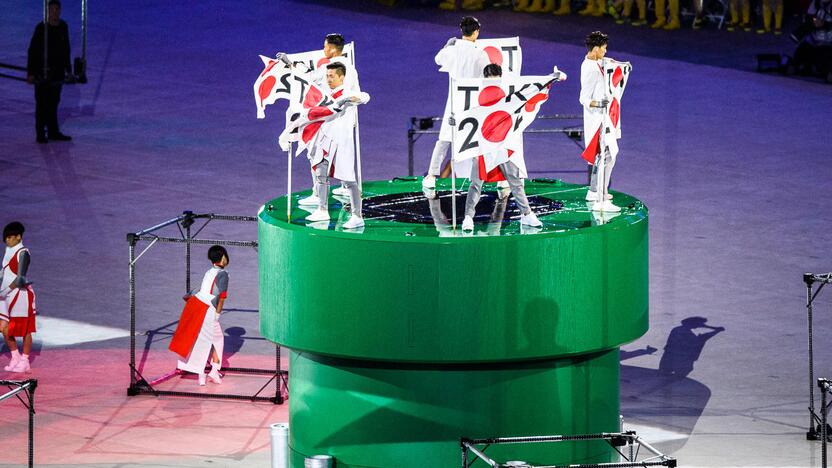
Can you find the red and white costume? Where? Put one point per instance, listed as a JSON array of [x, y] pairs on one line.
[[17, 305], [199, 327], [335, 142]]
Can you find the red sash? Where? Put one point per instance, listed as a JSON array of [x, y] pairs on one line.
[[189, 325]]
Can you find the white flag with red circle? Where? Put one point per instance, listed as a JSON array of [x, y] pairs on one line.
[[491, 114], [616, 77], [505, 52]]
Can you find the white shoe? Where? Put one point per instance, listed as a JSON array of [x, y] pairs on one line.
[[12, 363], [605, 206], [22, 366], [215, 377], [468, 224], [429, 193], [354, 222], [341, 191], [530, 220], [311, 200], [429, 182], [318, 215], [593, 196], [202, 379]]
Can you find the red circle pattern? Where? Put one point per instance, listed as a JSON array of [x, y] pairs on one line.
[[490, 95], [496, 126]]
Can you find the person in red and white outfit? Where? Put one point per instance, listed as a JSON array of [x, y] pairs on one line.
[[17, 299], [199, 334]]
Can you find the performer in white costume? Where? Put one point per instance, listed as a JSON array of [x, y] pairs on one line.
[[594, 100], [512, 169], [460, 58], [333, 53], [332, 151], [17, 299], [199, 334]]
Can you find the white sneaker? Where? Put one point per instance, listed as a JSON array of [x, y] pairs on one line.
[[318, 215], [593, 196], [215, 377], [354, 222], [202, 379], [468, 224], [429, 193], [22, 366], [341, 191], [12, 363], [311, 200], [429, 182], [530, 220], [605, 206]]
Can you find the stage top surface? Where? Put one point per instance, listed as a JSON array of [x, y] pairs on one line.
[[399, 210]]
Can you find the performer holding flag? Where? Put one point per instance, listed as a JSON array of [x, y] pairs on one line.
[[331, 151], [460, 59], [501, 162], [199, 334], [333, 52], [601, 117]]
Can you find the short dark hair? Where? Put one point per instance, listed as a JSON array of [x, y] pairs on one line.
[[491, 70], [216, 252], [339, 68], [54, 2], [336, 40], [596, 39], [14, 228], [469, 25]]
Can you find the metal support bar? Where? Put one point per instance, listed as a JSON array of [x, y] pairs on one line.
[[814, 433], [138, 384], [414, 131], [615, 439], [27, 387]]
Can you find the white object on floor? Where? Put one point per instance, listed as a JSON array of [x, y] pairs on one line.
[[593, 196], [468, 224], [530, 220], [605, 206], [311, 200], [429, 181], [354, 222], [318, 215]]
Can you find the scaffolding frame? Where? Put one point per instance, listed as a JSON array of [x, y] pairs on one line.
[[27, 388], [419, 126], [139, 385], [817, 423], [616, 440]]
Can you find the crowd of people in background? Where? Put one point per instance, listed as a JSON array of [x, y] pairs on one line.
[[762, 16], [807, 22]]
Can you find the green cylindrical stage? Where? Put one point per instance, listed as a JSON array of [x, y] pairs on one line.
[[408, 335]]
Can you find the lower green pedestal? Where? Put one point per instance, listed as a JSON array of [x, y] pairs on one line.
[[405, 338]]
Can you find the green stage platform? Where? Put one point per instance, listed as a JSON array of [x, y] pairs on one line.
[[408, 335]]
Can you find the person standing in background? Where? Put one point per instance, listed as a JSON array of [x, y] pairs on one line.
[[48, 77]]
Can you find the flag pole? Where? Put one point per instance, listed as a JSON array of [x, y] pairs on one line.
[[453, 154], [357, 133], [290, 156], [602, 174]]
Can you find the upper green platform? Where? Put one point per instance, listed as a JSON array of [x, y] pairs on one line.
[[422, 292]]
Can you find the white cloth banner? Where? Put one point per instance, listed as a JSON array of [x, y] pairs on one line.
[[491, 114]]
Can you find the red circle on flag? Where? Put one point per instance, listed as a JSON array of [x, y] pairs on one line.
[[266, 87], [532, 103], [496, 126], [490, 95], [322, 62], [615, 112], [494, 55]]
